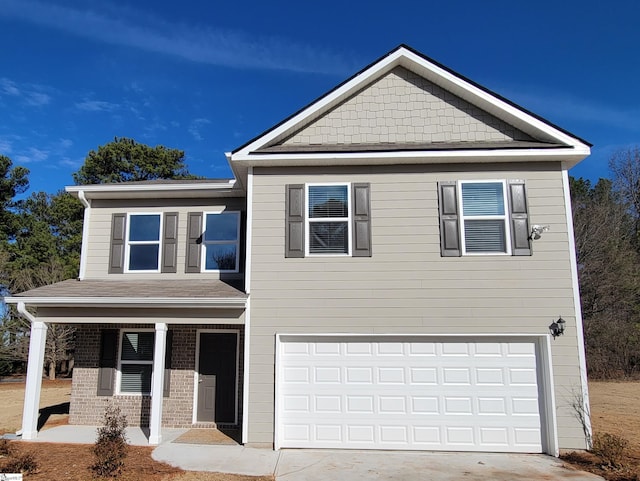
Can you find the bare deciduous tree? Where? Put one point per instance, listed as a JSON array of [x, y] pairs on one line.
[[609, 273]]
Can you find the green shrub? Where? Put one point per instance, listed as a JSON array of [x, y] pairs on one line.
[[24, 463], [610, 448], [111, 445]]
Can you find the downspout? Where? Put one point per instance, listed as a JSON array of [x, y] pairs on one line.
[[247, 313], [85, 234], [22, 310]]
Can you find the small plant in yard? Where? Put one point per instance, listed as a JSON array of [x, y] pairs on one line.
[[6, 449], [111, 446], [24, 463], [610, 448]]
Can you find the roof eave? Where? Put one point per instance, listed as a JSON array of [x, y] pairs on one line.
[[130, 191], [570, 156], [139, 302], [433, 71]]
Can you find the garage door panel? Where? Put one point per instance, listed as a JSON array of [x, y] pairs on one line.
[[476, 396]]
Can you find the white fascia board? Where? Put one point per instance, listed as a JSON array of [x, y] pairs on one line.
[[386, 63], [149, 188], [569, 155], [433, 73], [480, 97], [186, 302]]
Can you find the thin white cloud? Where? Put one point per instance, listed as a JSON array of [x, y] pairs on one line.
[[96, 106], [9, 87], [65, 143], [215, 46], [30, 94], [567, 106], [37, 98], [195, 129], [68, 162], [152, 128], [6, 147], [32, 155]]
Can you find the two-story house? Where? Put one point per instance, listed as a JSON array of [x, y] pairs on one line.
[[381, 273]]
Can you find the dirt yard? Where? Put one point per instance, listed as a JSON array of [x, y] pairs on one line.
[[70, 462], [614, 409]]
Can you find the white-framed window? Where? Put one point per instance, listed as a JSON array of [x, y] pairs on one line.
[[328, 219], [484, 218], [221, 241], [135, 361], [143, 244]]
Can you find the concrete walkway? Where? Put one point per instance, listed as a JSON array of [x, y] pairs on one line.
[[351, 465]]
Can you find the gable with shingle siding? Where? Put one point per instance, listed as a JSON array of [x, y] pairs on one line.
[[402, 107]]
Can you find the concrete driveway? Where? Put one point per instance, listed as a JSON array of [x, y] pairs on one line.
[[320, 465]]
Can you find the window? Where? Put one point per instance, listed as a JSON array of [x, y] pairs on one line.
[[483, 217], [484, 221], [143, 242], [136, 362], [328, 219], [220, 241]]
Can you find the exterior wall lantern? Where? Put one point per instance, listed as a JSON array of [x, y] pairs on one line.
[[557, 327]]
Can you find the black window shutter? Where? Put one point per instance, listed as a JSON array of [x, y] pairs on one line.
[[108, 361], [361, 220], [167, 364], [449, 224], [169, 242], [294, 221], [116, 251], [194, 242], [519, 218]]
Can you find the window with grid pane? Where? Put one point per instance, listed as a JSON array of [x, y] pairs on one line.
[[136, 362], [143, 242], [484, 219], [328, 219], [221, 241]]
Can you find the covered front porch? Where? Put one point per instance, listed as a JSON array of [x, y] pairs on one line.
[[127, 333]]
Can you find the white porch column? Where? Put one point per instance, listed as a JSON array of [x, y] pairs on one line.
[[35, 365], [157, 384]]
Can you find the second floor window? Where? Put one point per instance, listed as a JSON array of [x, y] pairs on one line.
[[484, 217], [143, 242], [328, 221], [220, 241]]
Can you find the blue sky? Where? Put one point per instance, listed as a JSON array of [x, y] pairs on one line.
[[206, 76]]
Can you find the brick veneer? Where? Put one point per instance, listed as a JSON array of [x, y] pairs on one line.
[[88, 408]]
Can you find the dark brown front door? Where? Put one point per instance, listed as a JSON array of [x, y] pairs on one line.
[[217, 377]]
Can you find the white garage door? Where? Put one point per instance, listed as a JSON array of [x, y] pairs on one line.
[[407, 393]]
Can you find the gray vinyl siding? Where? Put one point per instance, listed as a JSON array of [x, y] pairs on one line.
[[100, 233], [406, 286]]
